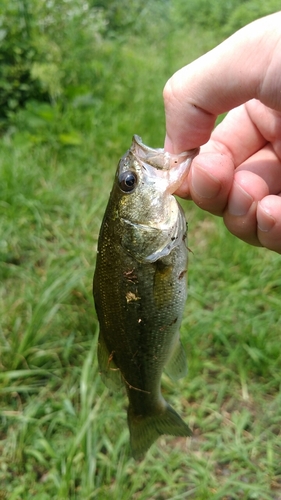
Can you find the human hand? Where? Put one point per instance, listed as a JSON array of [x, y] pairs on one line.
[[237, 174]]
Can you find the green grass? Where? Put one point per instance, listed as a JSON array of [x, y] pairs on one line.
[[62, 434]]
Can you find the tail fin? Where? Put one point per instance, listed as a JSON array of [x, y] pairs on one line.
[[145, 430]]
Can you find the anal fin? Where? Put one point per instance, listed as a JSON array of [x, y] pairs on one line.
[[110, 373]]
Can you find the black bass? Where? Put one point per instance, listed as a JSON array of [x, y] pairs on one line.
[[140, 288]]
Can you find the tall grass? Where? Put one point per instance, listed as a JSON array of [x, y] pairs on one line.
[[63, 435]]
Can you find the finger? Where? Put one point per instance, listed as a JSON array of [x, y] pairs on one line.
[[240, 216], [267, 165], [245, 130], [211, 175], [209, 182], [237, 135], [269, 222], [229, 75]]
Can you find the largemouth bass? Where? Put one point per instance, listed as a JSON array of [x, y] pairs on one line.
[[140, 288]]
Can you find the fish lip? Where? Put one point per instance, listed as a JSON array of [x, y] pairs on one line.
[[159, 158]]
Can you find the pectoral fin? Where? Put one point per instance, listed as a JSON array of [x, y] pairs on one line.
[[110, 373], [177, 365]]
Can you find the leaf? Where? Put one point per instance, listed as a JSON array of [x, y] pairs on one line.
[[70, 139]]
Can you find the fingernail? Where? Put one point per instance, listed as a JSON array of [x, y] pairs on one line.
[[168, 145], [239, 201], [265, 220], [204, 184]]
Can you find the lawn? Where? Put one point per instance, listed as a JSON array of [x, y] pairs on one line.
[[63, 435]]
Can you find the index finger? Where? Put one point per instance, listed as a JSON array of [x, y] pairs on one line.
[[243, 67]]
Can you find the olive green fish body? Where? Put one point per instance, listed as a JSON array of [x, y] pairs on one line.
[[140, 290]]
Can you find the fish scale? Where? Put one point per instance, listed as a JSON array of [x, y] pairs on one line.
[[140, 289]]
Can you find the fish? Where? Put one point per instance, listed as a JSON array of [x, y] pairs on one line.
[[140, 289]]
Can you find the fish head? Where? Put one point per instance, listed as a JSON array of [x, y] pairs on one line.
[[145, 180]]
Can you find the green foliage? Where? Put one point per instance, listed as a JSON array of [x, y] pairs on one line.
[[228, 16], [63, 51], [57, 52], [204, 13], [62, 434], [44, 51], [247, 12], [134, 16], [17, 54]]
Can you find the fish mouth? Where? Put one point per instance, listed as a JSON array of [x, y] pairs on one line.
[[158, 158]]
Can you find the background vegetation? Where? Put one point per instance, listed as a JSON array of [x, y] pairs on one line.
[[77, 79]]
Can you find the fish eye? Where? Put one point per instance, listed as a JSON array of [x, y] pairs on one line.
[[127, 181]]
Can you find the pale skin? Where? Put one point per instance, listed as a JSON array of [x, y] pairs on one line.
[[237, 174]]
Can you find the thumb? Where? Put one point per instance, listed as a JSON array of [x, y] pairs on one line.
[[243, 67]]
